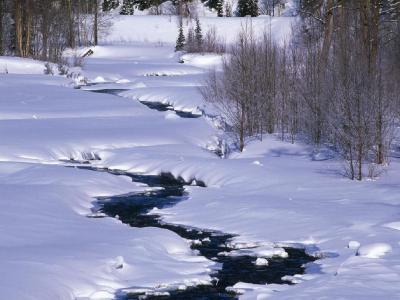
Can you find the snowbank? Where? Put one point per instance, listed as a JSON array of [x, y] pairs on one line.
[[16, 65]]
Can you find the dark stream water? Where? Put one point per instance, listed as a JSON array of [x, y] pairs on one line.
[[132, 209]]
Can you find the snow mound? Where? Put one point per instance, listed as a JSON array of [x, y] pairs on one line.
[[207, 60], [353, 245], [376, 250], [16, 65], [393, 225], [261, 262]]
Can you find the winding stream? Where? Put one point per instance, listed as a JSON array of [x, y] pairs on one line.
[[133, 209]]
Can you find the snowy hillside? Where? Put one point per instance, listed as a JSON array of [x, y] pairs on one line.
[[163, 29]]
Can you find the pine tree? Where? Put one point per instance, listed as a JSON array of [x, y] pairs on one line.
[[191, 41], [253, 6], [145, 4], [243, 8], [220, 8], [248, 8], [128, 7], [198, 36], [110, 4], [180, 42]]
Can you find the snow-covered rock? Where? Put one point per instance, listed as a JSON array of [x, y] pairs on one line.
[[261, 262]]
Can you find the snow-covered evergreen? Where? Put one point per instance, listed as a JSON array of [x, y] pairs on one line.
[[248, 8], [220, 8], [128, 7], [180, 41], [110, 4], [198, 35]]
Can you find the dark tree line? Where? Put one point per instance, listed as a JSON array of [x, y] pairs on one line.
[[336, 83], [222, 7], [44, 28]]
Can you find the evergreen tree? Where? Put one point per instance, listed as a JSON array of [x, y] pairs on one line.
[[128, 7], [220, 8], [198, 35], [110, 4], [248, 8], [253, 6], [180, 42], [191, 41], [143, 4]]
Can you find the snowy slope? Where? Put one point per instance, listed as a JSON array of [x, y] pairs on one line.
[[161, 30]]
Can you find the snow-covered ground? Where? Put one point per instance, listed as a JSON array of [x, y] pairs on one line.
[[162, 30], [274, 194]]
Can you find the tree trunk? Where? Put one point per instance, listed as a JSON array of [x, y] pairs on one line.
[[1, 26], [18, 27], [45, 33], [370, 15], [28, 28], [96, 21], [71, 32], [380, 157], [328, 32], [242, 128]]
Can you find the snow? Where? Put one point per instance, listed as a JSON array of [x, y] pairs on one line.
[[18, 65], [376, 250], [272, 195], [353, 245], [393, 225], [261, 262], [206, 60], [163, 30]]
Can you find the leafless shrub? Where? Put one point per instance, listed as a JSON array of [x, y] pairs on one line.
[[63, 69], [48, 69], [77, 60], [213, 43]]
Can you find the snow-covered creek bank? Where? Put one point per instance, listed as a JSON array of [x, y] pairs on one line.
[[156, 105], [233, 265]]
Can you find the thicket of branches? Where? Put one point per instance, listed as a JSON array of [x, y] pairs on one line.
[[337, 83], [44, 28]]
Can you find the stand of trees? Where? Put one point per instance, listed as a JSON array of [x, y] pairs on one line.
[[336, 83], [184, 7], [44, 28], [196, 42]]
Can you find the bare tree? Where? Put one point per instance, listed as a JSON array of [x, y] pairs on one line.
[[1, 26], [96, 22]]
